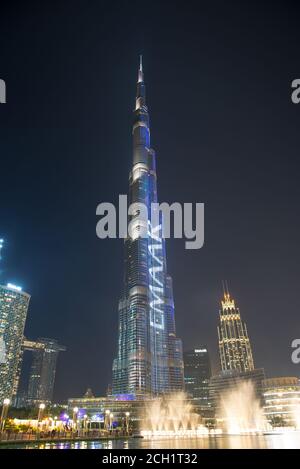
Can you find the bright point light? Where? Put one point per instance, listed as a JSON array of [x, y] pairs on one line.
[[42, 406], [85, 416], [14, 287], [127, 414], [75, 410], [6, 402], [107, 412]]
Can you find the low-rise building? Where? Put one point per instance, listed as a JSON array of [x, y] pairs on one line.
[[282, 401]]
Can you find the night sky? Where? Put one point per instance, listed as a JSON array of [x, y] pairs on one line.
[[226, 133]]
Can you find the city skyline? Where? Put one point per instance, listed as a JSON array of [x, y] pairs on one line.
[[234, 357], [237, 154]]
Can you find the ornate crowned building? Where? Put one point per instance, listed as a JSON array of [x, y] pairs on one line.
[[149, 355], [234, 344], [236, 358]]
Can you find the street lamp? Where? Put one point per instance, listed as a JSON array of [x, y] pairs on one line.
[[111, 416], [106, 422], [75, 412], [40, 416], [4, 412], [84, 421], [127, 414], [41, 410]]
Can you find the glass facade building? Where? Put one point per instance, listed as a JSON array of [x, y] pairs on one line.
[[197, 373], [43, 369], [13, 311], [149, 354]]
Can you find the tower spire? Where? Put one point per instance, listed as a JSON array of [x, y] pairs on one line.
[[140, 92], [225, 289], [1, 246], [141, 62], [140, 72]]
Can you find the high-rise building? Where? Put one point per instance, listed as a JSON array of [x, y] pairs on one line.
[[236, 359], [197, 373], [13, 311], [234, 344], [149, 355], [43, 369]]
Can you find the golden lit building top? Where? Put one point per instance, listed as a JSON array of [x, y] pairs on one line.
[[227, 303], [234, 344]]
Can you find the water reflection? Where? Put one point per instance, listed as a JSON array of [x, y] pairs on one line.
[[284, 441], [288, 440]]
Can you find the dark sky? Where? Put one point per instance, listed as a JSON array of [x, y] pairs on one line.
[[226, 133]]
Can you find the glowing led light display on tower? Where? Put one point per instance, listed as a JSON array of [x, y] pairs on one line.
[[12, 286]]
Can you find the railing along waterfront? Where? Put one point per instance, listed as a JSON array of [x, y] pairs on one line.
[[62, 435]]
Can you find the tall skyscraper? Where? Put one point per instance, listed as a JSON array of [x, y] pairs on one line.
[[43, 369], [234, 344], [149, 355], [13, 311], [197, 373]]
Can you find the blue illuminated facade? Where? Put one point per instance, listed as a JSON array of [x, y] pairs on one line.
[[13, 312], [149, 355]]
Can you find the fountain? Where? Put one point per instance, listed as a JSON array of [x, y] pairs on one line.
[[171, 416], [241, 411]]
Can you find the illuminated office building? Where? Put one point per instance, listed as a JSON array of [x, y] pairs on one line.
[[13, 311], [197, 373], [149, 354], [43, 368], [236, 359], [234, 344]]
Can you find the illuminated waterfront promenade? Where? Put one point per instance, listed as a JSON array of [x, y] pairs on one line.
[[91, 435]]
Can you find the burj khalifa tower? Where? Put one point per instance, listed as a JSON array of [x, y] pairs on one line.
[[149, 355]]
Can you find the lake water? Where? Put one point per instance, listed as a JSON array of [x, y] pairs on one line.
[[282, 441]]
